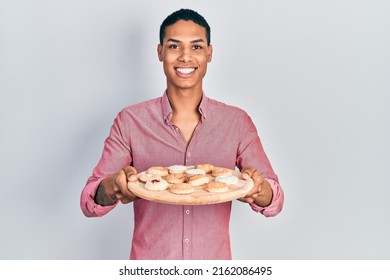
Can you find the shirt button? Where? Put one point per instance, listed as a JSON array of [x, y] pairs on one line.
[[188, 154], [187, 212], [186, 240], [177, 129]]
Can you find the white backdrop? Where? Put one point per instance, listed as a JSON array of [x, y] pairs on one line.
[[314, 76]]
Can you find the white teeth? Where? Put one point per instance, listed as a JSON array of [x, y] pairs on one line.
[[185, 70]]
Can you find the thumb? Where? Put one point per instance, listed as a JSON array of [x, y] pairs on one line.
[[130, 173], [247, 173]]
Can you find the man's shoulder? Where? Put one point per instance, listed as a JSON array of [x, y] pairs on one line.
[[140, 111], [143, 105], [220, 106]]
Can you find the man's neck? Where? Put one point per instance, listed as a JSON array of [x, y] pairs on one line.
[[185, 105], [184, 100]]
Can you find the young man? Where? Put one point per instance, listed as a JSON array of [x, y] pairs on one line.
[[183, 127]]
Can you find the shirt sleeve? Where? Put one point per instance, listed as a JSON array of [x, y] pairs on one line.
[[116, 155], [276, 203], [87, 202], [251, 153]]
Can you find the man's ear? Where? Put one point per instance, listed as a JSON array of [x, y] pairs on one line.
[[159, 50], [210, 53]]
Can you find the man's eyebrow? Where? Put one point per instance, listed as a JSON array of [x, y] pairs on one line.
[[173, 40], [178, 41], [197, 41]]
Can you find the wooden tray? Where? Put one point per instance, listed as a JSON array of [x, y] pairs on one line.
[[199, 197]]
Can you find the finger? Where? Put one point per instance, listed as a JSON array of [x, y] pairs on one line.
[[251, 172], [124, 194], [117, 193], [248, 172], [258, 180], [130, 173], [246, 199], [126, 200], [128, 196], [254, 191], [120, 184], [251, 194]]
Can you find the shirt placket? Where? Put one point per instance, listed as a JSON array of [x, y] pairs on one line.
[[188, 209], [188, 147], [187, 232]]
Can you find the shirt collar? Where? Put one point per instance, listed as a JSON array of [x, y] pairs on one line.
[[203, 106], [167, 110]]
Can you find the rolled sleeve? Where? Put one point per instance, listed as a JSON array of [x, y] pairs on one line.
[[276, 205], [87, 202]]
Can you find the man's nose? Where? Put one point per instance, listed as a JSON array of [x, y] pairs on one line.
[[185, 55]]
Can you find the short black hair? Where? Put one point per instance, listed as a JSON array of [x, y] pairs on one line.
[[187, 15]]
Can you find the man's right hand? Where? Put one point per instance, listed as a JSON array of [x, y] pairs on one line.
[[114, 187]]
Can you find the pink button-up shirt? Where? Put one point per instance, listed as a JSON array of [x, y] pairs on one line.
[[143, 135]]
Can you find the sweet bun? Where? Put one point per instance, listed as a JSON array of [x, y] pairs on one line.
[[227, 179], [219, 171], [182, 188], [175, 178], [193, 171], [158, 170], [145, 177], [198, 180], [217, 187], [156, 185], [206, 167], [177, 169]]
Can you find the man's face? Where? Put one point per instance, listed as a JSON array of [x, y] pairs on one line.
[[185, 55]]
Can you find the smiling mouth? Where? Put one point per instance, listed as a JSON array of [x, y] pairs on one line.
[[185, 70]]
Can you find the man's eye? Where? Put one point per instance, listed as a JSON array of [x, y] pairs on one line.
[[196, 47], [173, 47]]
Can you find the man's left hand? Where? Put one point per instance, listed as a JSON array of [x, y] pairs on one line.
[[261, 193]]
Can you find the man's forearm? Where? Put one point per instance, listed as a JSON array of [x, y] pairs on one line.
[[102, 198]]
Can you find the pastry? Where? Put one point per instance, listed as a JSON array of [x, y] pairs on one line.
[[193, 171], [177, 169], [158, 170], [206, 167], [228, 179], [198, 180], [217, 187], [156, 185], [145, 177], [182, 188], [175, 178], [218, 171]]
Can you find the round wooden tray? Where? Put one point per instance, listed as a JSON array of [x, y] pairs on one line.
[[199, 197]]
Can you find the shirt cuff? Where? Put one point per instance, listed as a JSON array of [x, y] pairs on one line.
[[276, 204], [88, 205]]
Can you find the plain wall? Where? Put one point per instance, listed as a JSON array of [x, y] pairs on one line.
[[314, 76]]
